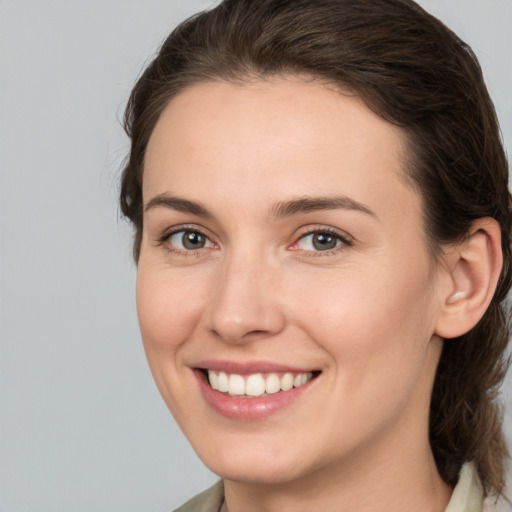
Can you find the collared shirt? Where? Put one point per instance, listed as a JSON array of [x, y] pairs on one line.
[[467, 496]]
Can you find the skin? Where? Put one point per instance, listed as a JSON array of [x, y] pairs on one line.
[[364, 314]]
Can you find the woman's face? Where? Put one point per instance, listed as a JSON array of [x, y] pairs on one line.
[[282, 246]]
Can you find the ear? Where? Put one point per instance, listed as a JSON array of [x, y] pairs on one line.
[[473, 268]]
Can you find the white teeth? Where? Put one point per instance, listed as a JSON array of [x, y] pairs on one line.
[[256, 384], [287, 382], [236, 385], [272, 384], [214, 380], [223, 382]]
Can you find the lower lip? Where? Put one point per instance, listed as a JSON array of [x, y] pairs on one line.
[[248, 409]]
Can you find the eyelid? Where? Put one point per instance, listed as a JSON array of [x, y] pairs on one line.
[[172, 230]]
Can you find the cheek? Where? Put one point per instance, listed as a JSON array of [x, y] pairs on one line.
[[371, 323], [377, 337], [168, 306], [169, 309]]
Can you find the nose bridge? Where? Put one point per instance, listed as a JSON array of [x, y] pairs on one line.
[[244, 306]]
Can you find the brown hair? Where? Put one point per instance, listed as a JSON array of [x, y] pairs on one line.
[[414, 72]]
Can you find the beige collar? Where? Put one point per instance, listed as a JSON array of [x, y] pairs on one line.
[[468, 494]]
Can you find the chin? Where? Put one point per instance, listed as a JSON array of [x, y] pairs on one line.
[[257, 464], [263, 473]]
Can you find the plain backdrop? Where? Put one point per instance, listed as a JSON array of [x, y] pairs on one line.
[[82, 427]]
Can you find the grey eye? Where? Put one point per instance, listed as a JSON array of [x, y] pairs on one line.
[[319, 241], [324, 241], [189, 240]]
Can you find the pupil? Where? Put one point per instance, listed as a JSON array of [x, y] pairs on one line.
[[324, 241], [193, 240]]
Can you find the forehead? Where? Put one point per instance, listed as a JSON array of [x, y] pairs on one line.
[[289, 109], [272, 137]]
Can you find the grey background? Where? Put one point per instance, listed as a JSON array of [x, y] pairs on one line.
[[82, 427]]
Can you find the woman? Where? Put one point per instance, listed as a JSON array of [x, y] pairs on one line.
[[322, 231]]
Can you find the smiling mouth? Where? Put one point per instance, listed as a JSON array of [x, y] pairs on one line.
[[256, 385]]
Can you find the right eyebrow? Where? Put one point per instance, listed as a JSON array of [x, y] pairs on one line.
[[178, 204]]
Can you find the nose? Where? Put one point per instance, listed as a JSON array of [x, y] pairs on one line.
[[245, 303]]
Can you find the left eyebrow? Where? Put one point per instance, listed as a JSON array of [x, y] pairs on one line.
[[309, 204]]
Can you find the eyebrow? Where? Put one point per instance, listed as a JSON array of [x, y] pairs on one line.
[[178, 204], [277, 211], [309, 204]]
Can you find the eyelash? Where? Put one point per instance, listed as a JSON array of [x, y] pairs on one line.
[[344, 240]]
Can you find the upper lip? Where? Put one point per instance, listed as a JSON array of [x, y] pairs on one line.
[[246, 368]]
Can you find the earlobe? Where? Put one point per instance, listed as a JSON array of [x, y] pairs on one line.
[[474, 267]]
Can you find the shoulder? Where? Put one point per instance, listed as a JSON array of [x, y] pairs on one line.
[[207, 501]]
